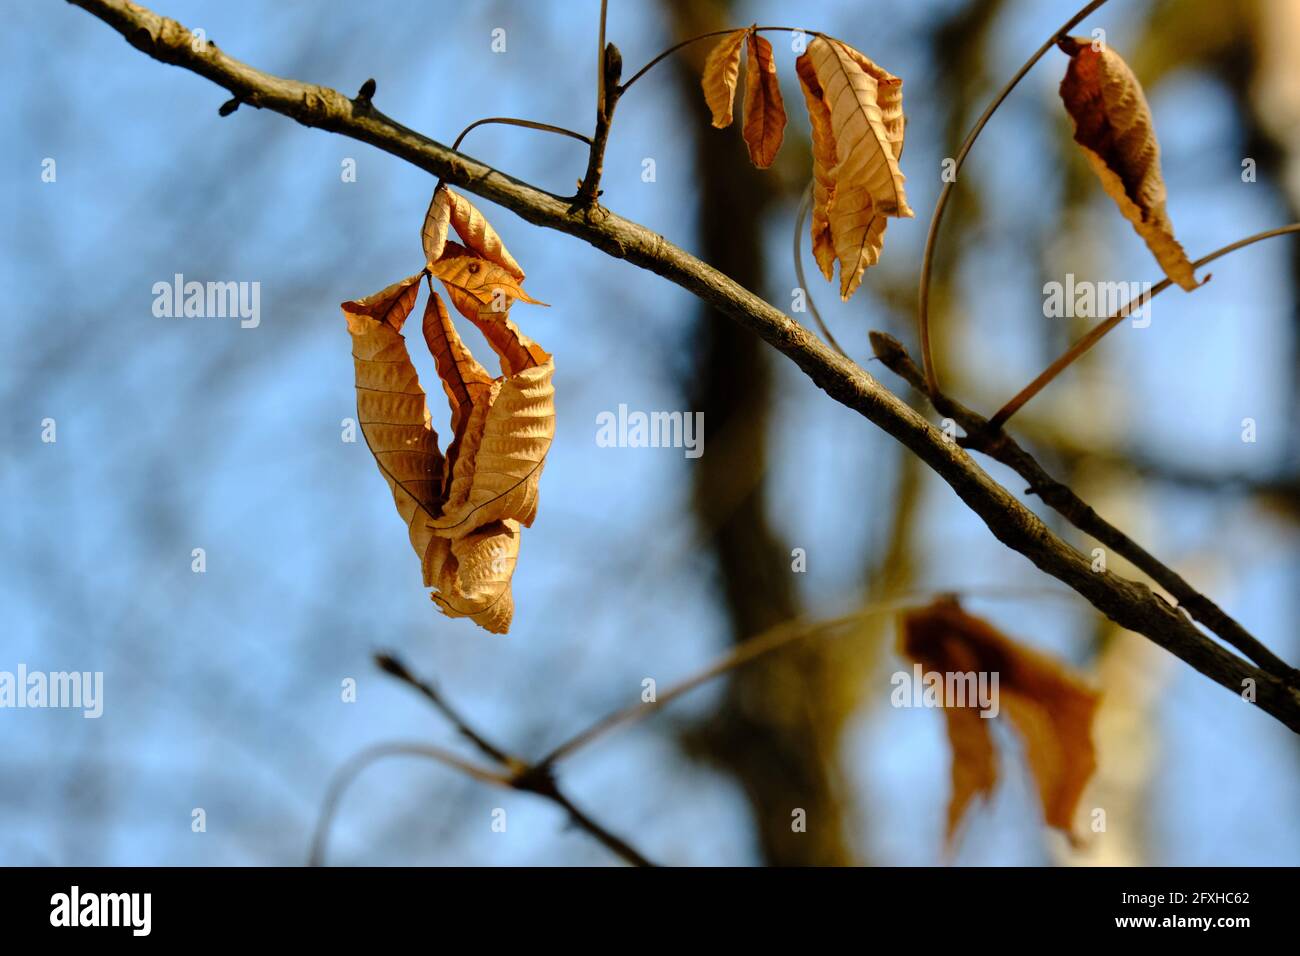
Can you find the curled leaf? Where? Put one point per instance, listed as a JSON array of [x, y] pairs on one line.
[[488, 282], [823, 150], [721, 70], [867, 181], [449, 208], [1113, 125], [1051, 708], [764, 126], [474, 578], [865, 154], [465, 381], [433, 234], [501, 446], [392, 413], [464, 512]]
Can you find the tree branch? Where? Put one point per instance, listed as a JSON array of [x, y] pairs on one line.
[[518, 774], [1129, 604], [982, 436]]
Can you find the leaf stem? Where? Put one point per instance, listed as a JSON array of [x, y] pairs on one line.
[[512, 121], [1094, 335], [763, 643], [352, 769], [704, 36], [927, 261], [799, 275]]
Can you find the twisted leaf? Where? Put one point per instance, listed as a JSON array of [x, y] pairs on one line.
[[764, 111], [823, 151], [463, 513], [393, 416], [721, 70], [450, 208], [1113, 125], [1051, 709], [867, 181]]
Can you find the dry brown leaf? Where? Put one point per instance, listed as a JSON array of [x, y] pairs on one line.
[[823, 150], [474, 580], [433, 234], [867, 181], [864, 251], [463, 379], [463, 513], [1112, 122], [449, 208], [1051, 709], [497, 468], [764, 126], [393, 416], [974, 763], [889, 97], [488, 282], [721, 70]]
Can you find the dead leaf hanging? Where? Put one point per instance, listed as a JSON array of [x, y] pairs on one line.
[[474, 579], [464, 513], [488, 282], [393, 415], [497, 468], [764, 126], [721, 70], [867, 183], [1113, 125], [448, 208], [823, 150], [1051, 709], [433, 234]]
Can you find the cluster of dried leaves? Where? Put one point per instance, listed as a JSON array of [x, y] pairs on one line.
[[856, 112], [464, 509], [1051, 709]]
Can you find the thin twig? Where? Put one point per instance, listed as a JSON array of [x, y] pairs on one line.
[[748, 650], [1002, 447], [931, 237], [513, 121], [521, 775], [704, 36], [515, 774], [799, 275], [764, 643], [352, 769], [1094, 335], [610, 69], [578, 818], [391, 665]]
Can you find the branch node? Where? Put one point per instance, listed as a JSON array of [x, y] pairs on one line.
[[364, 95]]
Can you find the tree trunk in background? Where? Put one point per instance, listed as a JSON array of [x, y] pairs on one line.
[[770, 731]]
